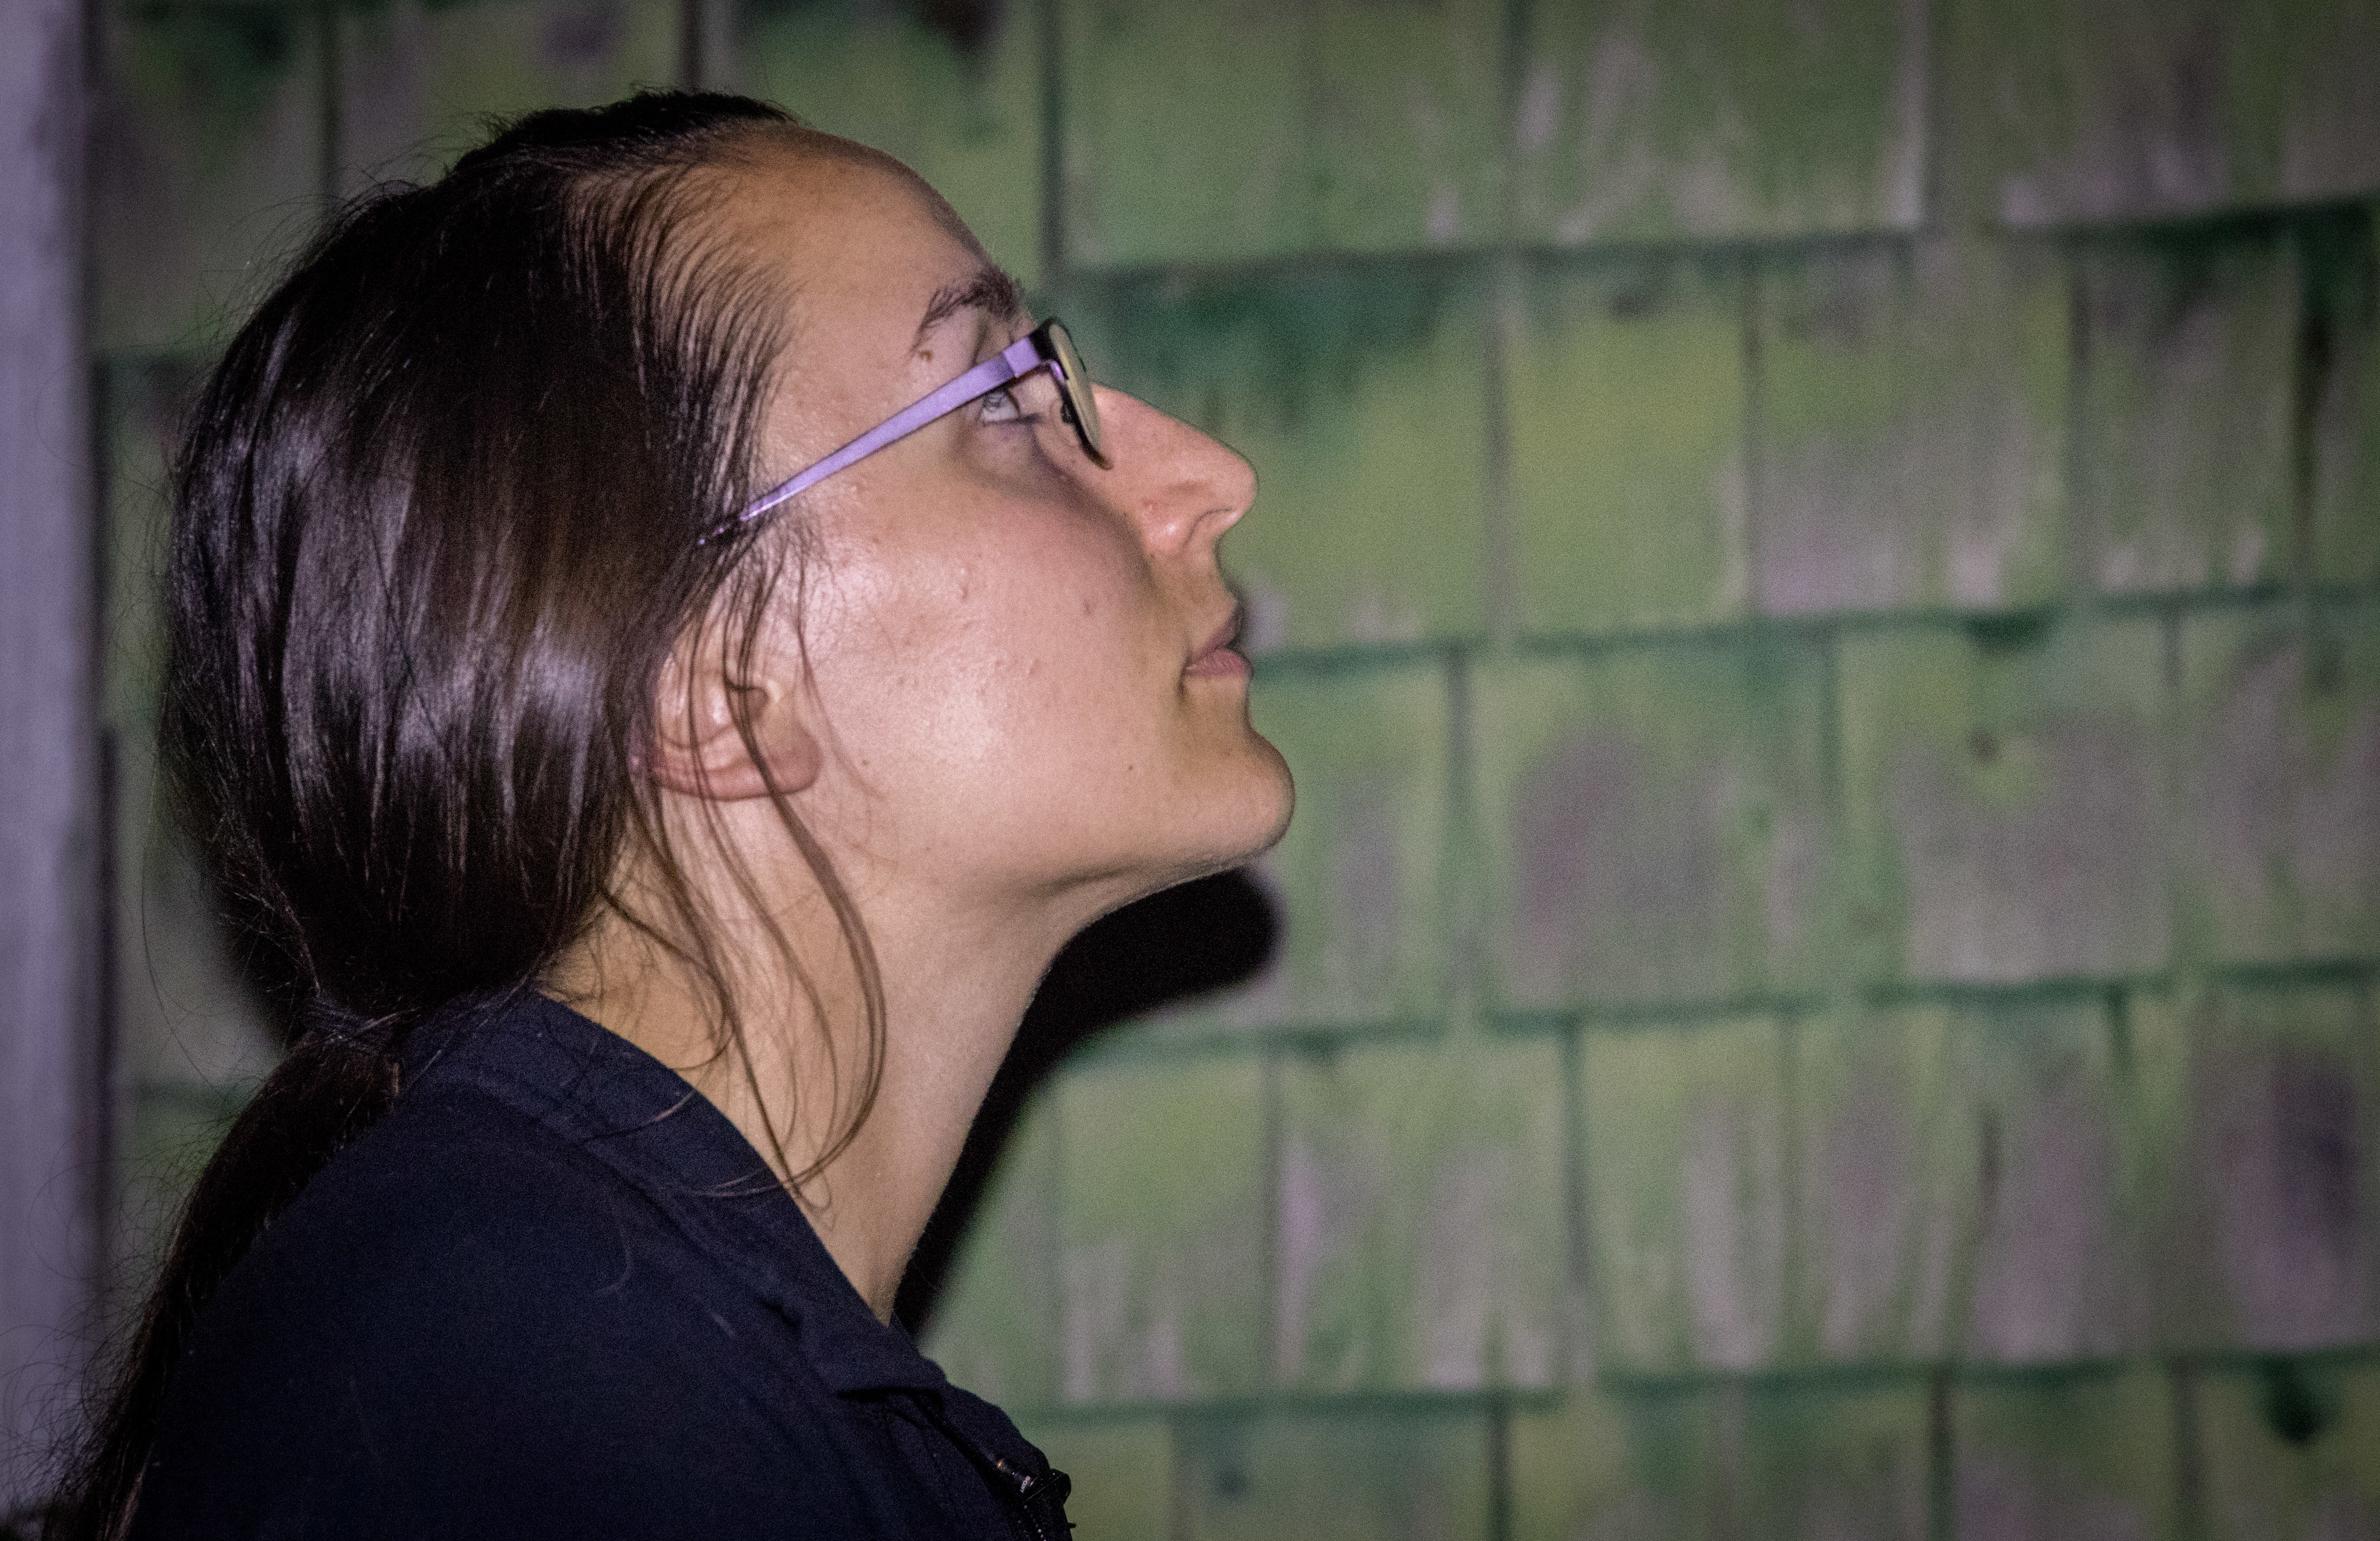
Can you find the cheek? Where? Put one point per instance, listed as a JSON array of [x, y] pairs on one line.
[[1059, 663], [1030, 657]]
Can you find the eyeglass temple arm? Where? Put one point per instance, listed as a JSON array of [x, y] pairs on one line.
[[1019, 358]]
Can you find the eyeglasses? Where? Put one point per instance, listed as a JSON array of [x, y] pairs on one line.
[[1048, 347]]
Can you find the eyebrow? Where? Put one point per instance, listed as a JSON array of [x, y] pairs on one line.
[[988, 288]]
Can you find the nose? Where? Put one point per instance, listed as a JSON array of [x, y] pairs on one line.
[[1183, 489]]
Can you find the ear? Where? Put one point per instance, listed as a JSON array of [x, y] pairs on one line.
[[698, 748]]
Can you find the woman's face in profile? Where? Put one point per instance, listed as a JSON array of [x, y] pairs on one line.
[[1019, 659]]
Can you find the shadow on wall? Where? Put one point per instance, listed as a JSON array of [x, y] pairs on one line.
[[1203, 936]]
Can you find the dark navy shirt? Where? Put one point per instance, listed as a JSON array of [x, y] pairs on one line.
[[556, 1292]]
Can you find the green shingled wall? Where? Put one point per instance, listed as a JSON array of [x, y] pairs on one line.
[[1818, 568]]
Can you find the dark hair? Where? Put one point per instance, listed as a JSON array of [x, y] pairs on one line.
[[437, 522]]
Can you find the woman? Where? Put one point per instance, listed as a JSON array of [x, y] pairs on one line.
[[659, 822]]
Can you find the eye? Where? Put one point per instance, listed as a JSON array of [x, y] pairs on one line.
[[1028, 398]]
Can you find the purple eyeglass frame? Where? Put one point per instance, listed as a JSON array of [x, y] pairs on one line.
[[1047, 346]]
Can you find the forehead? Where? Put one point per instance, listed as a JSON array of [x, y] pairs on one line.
[[861, 247]]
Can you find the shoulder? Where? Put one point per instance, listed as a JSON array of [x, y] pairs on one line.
[[466, 1313], [458, 1214]]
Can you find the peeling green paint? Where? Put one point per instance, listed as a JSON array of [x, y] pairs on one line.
[[2182, 467], [2140, 108], [1639, 120], [1420, 1240], [2003, 807], [2289, 1446], [2086, 1453], [1168, 164], [2281, 713], [206, 162], [1162, 1227], [2339, 406], [1909, 407], [420, 82], [1685, 1194], [1657, 825], [1629, 445], [1598, 1464], [1336, 1478]]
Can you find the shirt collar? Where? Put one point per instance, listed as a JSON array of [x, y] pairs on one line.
[[601, 1092]]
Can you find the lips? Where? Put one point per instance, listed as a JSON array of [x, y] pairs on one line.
[[1217, 659]]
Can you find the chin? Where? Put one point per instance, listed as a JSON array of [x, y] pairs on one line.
[[1244, 822], [1235, 810], [1282, 806]]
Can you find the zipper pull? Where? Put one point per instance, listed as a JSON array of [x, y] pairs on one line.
[[1043, 1498]]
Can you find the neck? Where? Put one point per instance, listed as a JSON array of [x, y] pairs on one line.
[[954, 988]]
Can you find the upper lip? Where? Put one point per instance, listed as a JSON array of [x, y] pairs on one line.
[[1221, 636]]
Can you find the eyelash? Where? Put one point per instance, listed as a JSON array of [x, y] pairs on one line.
[[1001, 406]]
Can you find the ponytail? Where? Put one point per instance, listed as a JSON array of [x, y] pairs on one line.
[[329, 1089]]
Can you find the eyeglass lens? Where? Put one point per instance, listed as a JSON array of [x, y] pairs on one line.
[[1074, 390]]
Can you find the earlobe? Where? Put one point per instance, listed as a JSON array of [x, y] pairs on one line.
[[727, 741]]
